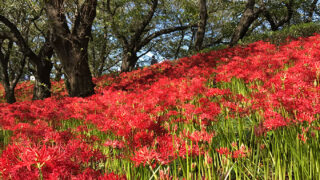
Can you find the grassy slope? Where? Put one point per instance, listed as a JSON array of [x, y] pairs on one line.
[[245, 112]]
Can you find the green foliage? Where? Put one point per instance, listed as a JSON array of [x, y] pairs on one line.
[[277, 37], [214, 48], [5, 136]]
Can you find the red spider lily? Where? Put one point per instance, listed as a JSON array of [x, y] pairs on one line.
[[144, 156], [238, 154], [201, 136], [273, 120], [302, 137], [223, 151], [115, 144]]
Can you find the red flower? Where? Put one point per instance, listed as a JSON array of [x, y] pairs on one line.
[[223, 151]]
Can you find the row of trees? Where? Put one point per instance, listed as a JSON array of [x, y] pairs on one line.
[[81, 38]]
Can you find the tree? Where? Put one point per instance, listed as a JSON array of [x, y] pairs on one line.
[[274, 23], [103, 49], [311, 8], [40, 61], [134, 25], [57, 69], [249, 15], [221, 16], [176, 44], [71, 45], [201, 25], [11, 71]]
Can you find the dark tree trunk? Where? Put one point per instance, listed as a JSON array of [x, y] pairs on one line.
[[79, 77], [202, 25], [76, 69], [58, 73], [249, 16], [129, 61], [4, 59], [42, 72], [193, 34], [9, 76], [58, 70], [42, 83], [10, 97], [71, 46], [74, 61]]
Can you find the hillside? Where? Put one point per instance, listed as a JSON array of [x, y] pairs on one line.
[[248, 112]]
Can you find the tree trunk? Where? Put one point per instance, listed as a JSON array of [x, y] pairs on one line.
[[42, 72], [202, 25], [71, 46], [79, 77], [129, 61], [9, 95], [9, 76], [193, 34], [42, 84], [249, 16], [242, 28], [58, 73], [58, 70], [74, 61]]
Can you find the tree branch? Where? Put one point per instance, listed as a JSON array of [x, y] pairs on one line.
[[113, 64], [19, 73], [114, 27], [20, 40], [181, 40], [84, 18], [275, 25], [139, 31], [7, 35], [4, 59], [54, 10], [249, 15], [145, 52], [311, 10], [156, 34]]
